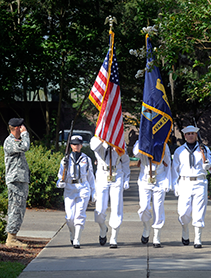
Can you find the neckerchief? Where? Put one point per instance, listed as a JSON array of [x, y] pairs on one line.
[[76, 158], [191, 156]]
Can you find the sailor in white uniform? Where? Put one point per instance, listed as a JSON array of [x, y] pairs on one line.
[[78, 186], [113, 187], [189, 169], [154, 188]]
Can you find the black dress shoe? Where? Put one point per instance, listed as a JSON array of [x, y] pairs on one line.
[[76, 246], [113, 245], [156, 245], [185, 241], [144, 240], [102, 240], [197, 246]]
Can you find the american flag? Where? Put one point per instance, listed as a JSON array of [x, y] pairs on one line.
[[99, 87], [105, 95]]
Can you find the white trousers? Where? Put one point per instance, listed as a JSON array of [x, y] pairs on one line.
[[158, 197], [75, 208], [115, 191], [192, 202]]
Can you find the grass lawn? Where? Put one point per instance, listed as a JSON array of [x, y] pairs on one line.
[[10, 269]]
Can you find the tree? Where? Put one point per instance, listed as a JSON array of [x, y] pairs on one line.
[[184, 40], [59, 46], [183, 54]]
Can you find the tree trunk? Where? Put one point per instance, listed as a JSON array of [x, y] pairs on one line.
[[47, 117]]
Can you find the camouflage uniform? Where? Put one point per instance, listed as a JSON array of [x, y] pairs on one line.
[[17, 179]]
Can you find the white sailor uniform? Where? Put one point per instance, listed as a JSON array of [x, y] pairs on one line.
[[106, 188], [191, 185], [78, 186], [155, 190]]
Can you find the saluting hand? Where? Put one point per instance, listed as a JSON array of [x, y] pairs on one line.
[[23, 128]]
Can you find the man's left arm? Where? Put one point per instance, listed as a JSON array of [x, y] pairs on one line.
[[91, 179], [125, 160], [207, 163], [167, 167]]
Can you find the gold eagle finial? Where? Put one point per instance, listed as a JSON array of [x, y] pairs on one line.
[[111, 20]]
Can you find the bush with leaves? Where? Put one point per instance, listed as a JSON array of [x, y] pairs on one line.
[[3, 197], [3, 186], [44, 166], [3, 223]]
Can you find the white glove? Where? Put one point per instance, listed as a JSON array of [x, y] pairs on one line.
[[176, 193], [166, 189], [94, 197], [206, 166], [126, 185], [176, 190], [61, 184]]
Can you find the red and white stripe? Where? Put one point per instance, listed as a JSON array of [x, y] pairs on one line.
[[99, 87], [110, 121]]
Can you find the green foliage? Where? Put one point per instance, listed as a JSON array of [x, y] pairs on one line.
[[44, 167], [3, 223], [3, 197], [59, 46], [184, 41], [10, 269], [2, 171]]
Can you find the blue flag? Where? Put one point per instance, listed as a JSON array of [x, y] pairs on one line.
[[156, 119]]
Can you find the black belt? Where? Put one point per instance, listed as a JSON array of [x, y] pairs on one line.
[[193, 178], [77, 181], [107, 168]]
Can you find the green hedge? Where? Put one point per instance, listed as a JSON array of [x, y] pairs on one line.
[[44, 166], [2, 171], [3, 198]]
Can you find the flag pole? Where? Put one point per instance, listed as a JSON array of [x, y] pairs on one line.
[[150, 169], [109, 19]]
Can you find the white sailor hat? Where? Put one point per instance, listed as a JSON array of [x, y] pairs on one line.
[[76, 140], [190, 128]]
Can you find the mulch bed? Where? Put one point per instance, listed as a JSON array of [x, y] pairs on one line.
[[22, 255]]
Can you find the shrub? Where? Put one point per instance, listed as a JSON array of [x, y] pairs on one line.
[[3, 198], [3, 186], [3, 223], [44, 167]]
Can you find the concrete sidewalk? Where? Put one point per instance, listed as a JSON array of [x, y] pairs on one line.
[[131, 258]]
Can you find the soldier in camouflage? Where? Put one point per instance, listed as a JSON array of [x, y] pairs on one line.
[[17, 178]]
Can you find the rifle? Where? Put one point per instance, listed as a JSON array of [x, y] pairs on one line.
[[201, 145], [67, 150], [67, 153]]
